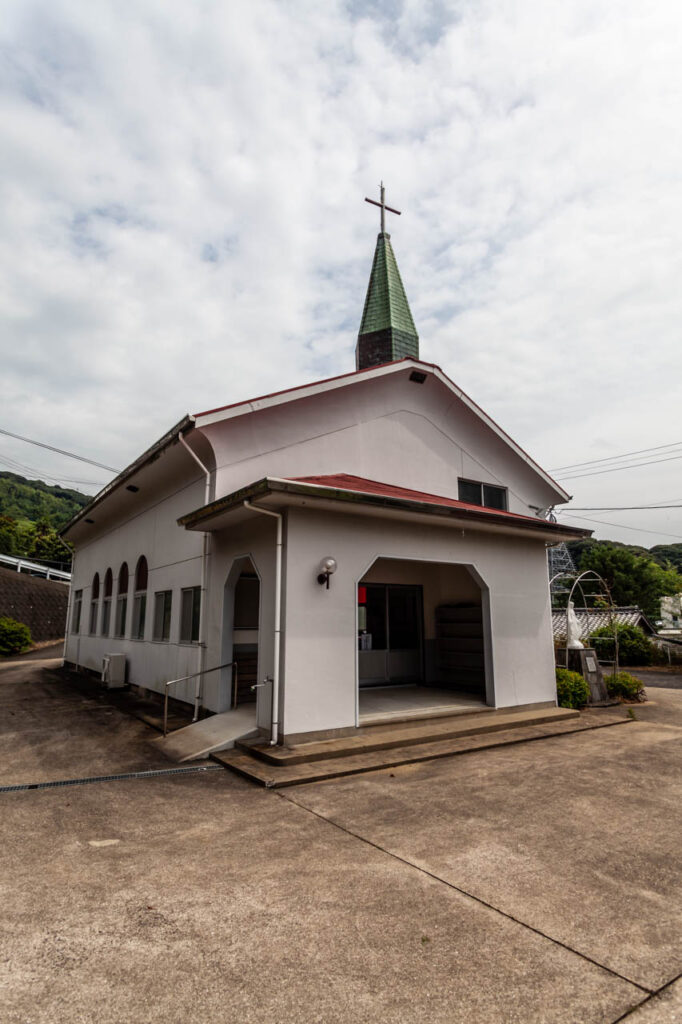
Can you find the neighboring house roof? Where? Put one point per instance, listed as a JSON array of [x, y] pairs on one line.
[[344, 487], [590, 619]]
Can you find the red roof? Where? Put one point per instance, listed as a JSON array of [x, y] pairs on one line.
[[360, 485]]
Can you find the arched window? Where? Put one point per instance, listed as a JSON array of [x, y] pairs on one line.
[[140, 598], [106, 603], [94, 603], [122, 600]]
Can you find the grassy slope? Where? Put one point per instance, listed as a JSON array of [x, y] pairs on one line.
[[32, 500]]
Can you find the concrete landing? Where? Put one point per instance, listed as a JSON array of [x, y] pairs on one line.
[[384, 736], [218, 732], [273, 776]]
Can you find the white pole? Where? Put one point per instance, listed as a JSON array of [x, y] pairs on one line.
[[204, 573], [274, 726]]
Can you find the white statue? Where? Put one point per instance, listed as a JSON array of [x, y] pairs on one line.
[[573, 629]]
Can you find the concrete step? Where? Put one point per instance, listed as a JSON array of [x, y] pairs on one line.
[[219, 732], [384, 737], [276, 776]]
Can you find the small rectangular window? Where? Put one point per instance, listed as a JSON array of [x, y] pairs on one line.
[[190, 612], [495, 497], [470, 492], [76, 611], [106, 616], [162, 614], [487, 495], [139, 610], [94, 605], [121, 615]]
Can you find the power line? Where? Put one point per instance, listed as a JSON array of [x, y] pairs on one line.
[[60, 451], [621, 508], [614, 469], [612, 458], [40, 474], [619, 526]]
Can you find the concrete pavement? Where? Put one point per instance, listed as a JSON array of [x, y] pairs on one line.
[[536, 883]]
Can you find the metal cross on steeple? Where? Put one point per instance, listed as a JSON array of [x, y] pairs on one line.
[[383, 207]]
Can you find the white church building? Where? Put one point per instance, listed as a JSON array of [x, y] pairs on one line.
[[344, 549]]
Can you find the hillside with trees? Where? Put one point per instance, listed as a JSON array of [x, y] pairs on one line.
[[635, 575], [31, 513]]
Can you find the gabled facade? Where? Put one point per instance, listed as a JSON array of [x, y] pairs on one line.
[[345, 543]]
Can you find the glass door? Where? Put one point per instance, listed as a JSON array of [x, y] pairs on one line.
[[390, 633]]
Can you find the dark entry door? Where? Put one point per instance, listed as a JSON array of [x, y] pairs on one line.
[[390, 630]]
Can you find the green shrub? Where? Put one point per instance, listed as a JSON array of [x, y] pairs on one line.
[[572, 690], [15, 637], [623, 685], [634, 646]]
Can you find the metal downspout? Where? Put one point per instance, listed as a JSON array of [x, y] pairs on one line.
[[204, 573], [274, 726]]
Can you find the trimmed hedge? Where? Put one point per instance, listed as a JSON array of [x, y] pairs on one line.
[[634, 646], [15, 637], [625, 686], [572, 690]]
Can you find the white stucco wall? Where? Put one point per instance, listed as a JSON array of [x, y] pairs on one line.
[[389, 429], [320, 681], [174, 561]]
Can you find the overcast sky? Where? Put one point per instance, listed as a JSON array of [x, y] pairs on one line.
[[182, 221]]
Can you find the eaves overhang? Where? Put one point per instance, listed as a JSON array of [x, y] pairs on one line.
[[276, 492], [150, 455]]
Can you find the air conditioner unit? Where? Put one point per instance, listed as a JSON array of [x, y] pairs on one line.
[[114, 671]]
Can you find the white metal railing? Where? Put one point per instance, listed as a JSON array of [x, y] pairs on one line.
[[35, 568], [193, 675]]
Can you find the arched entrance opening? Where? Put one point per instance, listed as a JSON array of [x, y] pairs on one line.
[[241, 618], [424, 639]]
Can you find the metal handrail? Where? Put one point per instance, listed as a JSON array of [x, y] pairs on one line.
[[193, 675]]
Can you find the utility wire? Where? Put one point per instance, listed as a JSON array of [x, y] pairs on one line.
[[39, 474], [60, 451], [620, 508], [614, 469], [619, 526], [612, 458]]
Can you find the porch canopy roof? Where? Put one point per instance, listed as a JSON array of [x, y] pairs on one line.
[[341, 492]]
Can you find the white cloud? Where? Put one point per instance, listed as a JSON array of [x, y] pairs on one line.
[[182, 221]]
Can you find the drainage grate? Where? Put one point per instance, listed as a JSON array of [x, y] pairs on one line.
[[113, 778]]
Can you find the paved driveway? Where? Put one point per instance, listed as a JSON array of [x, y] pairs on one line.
[[534, 883]]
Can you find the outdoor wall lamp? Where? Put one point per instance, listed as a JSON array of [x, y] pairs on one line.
[[327, 567]]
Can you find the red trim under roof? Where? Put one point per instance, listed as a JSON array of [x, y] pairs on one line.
[[360, 485]]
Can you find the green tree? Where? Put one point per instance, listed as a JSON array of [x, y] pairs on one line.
[[632, 579], [46, 545], [9, 537]]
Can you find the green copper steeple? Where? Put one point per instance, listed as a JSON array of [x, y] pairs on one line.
[[387, 331]]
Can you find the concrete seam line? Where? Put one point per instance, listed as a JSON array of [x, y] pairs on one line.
[[469, 895], [652, 995]]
